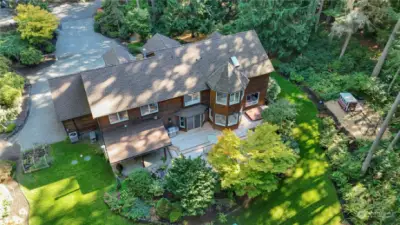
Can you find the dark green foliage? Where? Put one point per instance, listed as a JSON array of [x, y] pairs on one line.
[[11, 45], [295, 77], [163, 208], [49, 47], [273, 90], [280, 112], [284, 27], [137, 21], [4, 64], [43, 4], [193, 183], [176, 213], [135, 48], [11, 86], [110, 21], [126, 205], [31, 56], [138, 183], [194, 16], [137, 210], [371, 199]]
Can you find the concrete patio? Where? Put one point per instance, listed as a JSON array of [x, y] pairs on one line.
[[152, 161], [198, 142]]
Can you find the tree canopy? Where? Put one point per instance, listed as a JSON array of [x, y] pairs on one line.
[[251, 167], [35, 24]]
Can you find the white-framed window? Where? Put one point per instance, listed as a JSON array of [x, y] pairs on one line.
[[220, 119], [235, 98], [210, 114], [252, 99], [149, 109], [182, 122], [233, 119], [222, 98], [118, 117], [191, 99]]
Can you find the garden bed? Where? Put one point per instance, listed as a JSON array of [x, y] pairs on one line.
[[36, 159]]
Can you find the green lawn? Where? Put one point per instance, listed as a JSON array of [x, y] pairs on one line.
[[70, 194], [308, 196]]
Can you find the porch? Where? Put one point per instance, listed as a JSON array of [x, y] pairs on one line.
[[199, 141], [141, 145]]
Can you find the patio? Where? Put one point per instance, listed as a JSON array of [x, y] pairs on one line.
[[198, 142], [152, 161]]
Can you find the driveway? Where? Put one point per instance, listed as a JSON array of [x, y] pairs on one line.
[[79, 48]]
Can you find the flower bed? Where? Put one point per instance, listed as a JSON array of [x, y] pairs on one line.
[[36, 158], [5, 203]]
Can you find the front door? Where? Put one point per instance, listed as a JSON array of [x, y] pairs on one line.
[[194, 121]]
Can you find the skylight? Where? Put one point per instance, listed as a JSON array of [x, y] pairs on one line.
[[235, 61]]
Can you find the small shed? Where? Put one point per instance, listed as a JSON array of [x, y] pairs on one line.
[[347, 101]]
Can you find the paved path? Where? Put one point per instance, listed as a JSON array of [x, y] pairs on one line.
[[79, 48]]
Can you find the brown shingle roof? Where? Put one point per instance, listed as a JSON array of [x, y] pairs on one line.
[[134, 140], [171, 73], [159, 42], [227, 79], [69, 97], [116, 55]]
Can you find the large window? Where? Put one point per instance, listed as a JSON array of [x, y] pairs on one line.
[[252, 99], [118, 117], [191, 99], [235, 98], [220, 119], [233, 119], [222, 98], [149, 109], [210, 114]]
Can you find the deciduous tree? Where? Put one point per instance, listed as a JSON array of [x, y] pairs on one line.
[[251, 167], [35, 24]]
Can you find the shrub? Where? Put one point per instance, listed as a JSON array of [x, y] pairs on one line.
[[163, 208], [11, 45], [281, 113], [176, 213], [35, 24], [296, 77], [138, 183], [135, 48], [9, 95], [273, 90], [49, 47], [10, 127], [138, 21], [136, 210], [187, 176], [156, 188], [31, 56], [222, 218], [4, 65]]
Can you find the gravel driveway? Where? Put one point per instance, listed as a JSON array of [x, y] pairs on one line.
[[79, 48]]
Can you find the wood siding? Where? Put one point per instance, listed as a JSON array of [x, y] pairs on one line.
[[80, 124]]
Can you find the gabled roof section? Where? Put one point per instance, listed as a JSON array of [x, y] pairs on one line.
[[227, 79], [116, 55], [159, 42], [171, 73], [69, 97]]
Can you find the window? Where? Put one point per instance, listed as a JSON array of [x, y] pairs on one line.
[[118, 117], [220, 119], [235, 98], [222, 98], [233, 119], [191, 99], [252, 99], [182, 122], [149, 109], [210, 114]]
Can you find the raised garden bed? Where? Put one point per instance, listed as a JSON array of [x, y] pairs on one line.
[[36, 159]]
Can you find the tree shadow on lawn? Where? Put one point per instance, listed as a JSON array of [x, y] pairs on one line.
[[307, 196]]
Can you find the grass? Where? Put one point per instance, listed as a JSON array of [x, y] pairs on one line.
[[10, 127], [70, 194], [308, 196]]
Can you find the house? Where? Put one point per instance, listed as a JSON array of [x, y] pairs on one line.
[[210, 83]]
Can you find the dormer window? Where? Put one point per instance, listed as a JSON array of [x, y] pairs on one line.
[[191, 99], [235, 61], [222, 98]]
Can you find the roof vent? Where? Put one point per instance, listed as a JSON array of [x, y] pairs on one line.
[[235, 61]]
